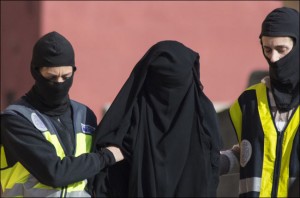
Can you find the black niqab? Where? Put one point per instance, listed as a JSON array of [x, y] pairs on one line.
[[165, 126], [284, 73]]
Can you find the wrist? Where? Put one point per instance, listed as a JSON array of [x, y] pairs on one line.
[[106, 157]]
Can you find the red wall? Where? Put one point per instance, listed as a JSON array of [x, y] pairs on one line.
[[110, 37], [20, 25]]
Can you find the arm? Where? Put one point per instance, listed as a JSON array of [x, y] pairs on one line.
[[229, 160], [24, 143]]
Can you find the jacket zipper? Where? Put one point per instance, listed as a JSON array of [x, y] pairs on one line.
[[276, 175]]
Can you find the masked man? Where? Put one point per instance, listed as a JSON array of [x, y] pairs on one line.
[[266, 116], [45, 136]]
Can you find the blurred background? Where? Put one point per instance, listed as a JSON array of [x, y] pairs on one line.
[[110, 37]]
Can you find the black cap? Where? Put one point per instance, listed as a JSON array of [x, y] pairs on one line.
[[281, 22], [52, 50]]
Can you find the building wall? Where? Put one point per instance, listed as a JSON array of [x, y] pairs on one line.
[[291, 4], [20, 28], [110, 37]]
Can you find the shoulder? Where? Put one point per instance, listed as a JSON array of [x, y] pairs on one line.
[[249, 96], [251, 92], [79, 105], [79, 108], [16, 125], [18, 108], [257, 86], [18, 114]]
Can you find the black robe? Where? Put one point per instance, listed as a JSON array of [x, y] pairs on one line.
[[166, 128]]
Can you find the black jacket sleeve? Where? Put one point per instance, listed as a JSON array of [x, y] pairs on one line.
[[25, 144]]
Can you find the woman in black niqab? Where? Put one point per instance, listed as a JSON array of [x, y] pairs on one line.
[[166, 128]]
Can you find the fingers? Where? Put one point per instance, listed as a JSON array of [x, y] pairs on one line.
[[116, 152]]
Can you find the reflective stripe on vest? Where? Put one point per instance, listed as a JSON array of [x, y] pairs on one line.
[[17, 181], [264, 184]]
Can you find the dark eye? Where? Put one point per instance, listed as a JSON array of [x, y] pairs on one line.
[[267, 50], [282, 50], [66, 77], [52, 78]]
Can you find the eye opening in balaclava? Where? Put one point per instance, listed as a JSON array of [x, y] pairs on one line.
[[284, 73]]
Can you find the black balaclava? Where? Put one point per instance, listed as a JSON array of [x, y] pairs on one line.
[[51, 50], [284, 73]]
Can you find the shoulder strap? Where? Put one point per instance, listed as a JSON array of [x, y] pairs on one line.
[[81, 118], [24, 109]]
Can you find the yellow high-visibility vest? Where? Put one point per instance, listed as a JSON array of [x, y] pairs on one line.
[[16, 181], [269, 161]]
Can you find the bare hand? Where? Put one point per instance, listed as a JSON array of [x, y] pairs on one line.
[[116, 152]]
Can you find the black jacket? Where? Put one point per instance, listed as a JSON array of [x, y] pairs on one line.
[[24, 143]]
